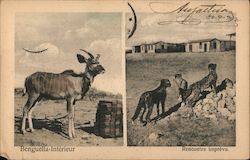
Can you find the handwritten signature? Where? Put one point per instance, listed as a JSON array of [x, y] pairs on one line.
[[185, 14]]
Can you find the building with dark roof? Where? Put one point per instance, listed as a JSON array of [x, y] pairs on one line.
[[158, 47], [210, 45], [202, 45]]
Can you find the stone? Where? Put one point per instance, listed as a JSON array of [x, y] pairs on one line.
[[208, 101], [174, 114], [84, 138], [234, 99], [214, 104], [212, 109], [231, 108], [212, 117], [224, 112], [198, 112], [173, 117], [229, 101], [198, 103], [221, 94], [232, 117], [153, 137], [205, 101], [183, 104], [231, 92], [206, 107], [216, 99], [221, 103], [179, 99], [185, 111], [210, 95], [198, 107]]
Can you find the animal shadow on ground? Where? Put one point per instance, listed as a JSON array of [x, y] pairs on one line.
[[203, 95], [219, 88], [176, 107], [89, 128], [51, 125], [165, 114]]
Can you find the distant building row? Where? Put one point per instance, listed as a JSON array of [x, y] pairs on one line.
[[205, 45]]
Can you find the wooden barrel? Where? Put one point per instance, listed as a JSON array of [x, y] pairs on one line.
[[109, 121]]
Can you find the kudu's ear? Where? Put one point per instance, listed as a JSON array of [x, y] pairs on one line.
[[97, 57], [163, 82], [81, 59]]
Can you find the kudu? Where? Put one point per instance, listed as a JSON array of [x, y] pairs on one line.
[[66, 85]]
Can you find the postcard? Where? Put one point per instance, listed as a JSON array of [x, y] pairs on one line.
[[124, 79]]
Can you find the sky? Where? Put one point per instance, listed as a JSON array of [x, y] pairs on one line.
[[148, 30], [64, 34], [99, 33]]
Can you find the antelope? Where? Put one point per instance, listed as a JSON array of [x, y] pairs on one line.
[[67, 86]]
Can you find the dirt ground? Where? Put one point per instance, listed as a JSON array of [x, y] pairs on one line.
[[51, 132], [144, 72]]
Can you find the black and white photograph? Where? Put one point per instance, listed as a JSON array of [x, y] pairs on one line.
[[181, 78], [67, 79], [117, 79]]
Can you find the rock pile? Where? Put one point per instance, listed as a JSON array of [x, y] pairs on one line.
[[213, 106]]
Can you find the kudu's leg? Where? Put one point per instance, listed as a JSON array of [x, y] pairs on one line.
[[73, 119], [25, 112], [30, 114], [30, 102], [30, 119], [70, 111]]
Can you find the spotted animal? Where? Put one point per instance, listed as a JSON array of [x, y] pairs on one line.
[[193, 93], [150, 98]]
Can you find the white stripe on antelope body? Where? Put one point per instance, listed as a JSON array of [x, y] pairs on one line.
[[66, 85]]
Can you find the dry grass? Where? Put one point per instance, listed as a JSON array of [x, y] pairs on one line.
[[144, 72], [51, 132]]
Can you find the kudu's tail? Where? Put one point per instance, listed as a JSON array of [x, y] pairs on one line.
[[24, 88], [24, 91]]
